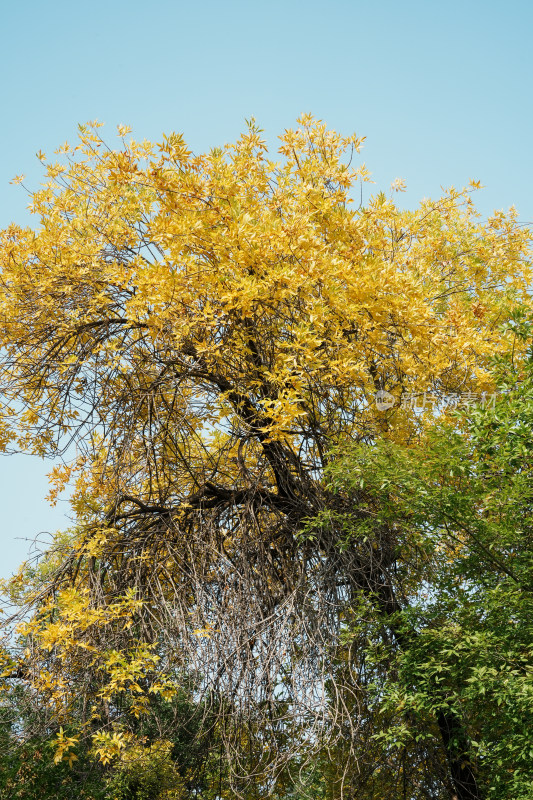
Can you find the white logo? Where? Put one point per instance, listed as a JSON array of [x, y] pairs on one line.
[[419, 401], [384, 400]]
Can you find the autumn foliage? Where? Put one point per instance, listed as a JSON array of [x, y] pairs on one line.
[[192, 337]]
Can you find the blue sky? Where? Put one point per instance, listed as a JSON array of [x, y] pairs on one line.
[[442, 91]]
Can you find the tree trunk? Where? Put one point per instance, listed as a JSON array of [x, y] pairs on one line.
[[454, 737], [457, 749]]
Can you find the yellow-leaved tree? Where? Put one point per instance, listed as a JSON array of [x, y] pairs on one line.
[[197, 333]]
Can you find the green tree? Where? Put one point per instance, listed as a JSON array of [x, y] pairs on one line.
[[171, 752], [28, 770], [461, 647]]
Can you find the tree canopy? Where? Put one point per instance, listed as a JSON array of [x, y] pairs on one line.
[[198, 341]]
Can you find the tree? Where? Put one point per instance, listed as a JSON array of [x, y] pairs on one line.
[[172, 753], [464, 645], [197, 334]]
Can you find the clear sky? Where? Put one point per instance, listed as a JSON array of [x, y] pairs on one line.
[[442, 91]]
